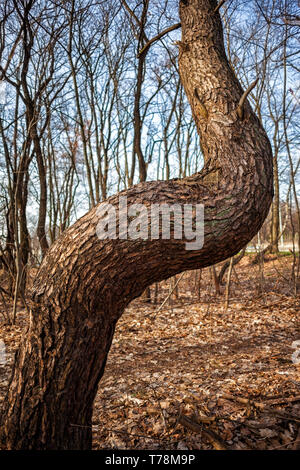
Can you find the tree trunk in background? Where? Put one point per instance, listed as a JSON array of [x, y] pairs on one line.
[[84, 284], [41, 227], [275, 209], [32, 108], [137, 119]]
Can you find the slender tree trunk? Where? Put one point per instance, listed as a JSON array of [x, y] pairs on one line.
[[216, 280], [137, 119], [228, 283], [82, 124], [32, 117], [85, 283], [41, 227], [275, 209]]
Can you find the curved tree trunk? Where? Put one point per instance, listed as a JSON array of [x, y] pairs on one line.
[[84, 284]]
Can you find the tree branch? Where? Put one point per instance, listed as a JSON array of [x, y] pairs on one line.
[[159, 36], [219, 5], [138, 22], [240, 108], [215, 440]]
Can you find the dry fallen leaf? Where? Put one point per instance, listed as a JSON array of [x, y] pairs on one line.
[[267, 432]]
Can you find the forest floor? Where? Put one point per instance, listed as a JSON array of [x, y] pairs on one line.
[[193, 375]]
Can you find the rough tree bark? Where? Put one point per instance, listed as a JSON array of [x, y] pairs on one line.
[[84, 284]]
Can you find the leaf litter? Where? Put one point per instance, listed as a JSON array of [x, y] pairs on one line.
[[193, 375]]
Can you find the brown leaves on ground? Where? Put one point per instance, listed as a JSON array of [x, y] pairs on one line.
[[230, 373]]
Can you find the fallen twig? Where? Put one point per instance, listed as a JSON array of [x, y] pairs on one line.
[[285, 400], [215, 440], [262, 407], [169, 295]]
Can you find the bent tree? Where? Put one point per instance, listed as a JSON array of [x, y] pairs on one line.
[[84, 284]]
